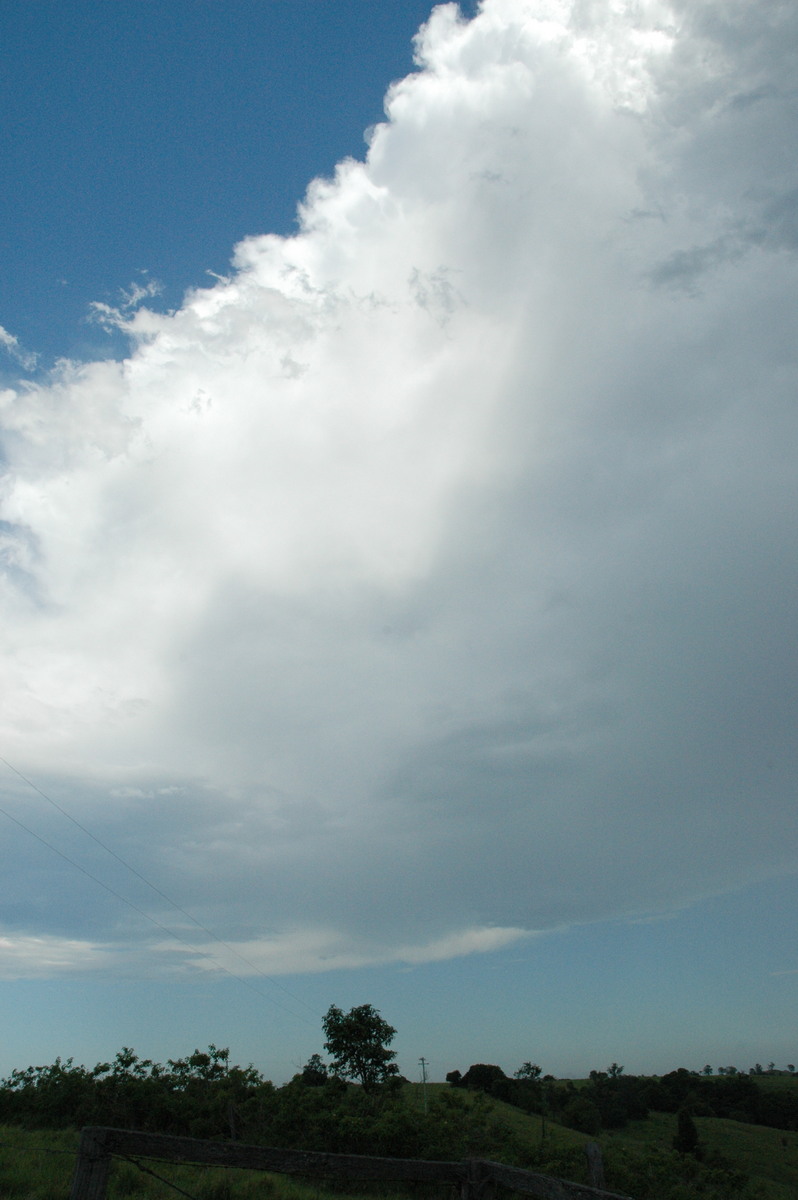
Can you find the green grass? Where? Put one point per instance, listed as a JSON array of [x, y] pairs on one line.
[[768, 1156], [776, 1083], [529, 1127], [38, 1165]]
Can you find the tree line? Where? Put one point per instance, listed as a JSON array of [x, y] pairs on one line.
[[609, 1099], [204, 1096], [357, 1103]]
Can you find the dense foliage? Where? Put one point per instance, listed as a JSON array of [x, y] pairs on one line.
[[610, 1099], [198, 1096], [203, 1096]]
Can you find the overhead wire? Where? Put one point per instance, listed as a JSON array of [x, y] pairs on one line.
[[141, 912]]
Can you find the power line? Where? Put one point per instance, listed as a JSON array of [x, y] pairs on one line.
[[214, 937], [140, 911]]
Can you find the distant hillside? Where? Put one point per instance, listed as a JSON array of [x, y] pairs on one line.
[[740, 1159]]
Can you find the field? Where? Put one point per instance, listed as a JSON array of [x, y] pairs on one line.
[[37, 1164], [769, 1157]]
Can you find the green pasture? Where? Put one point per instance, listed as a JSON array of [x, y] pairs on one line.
[[38, 1164]]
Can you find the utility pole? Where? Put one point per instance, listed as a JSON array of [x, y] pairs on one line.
[[423, 1063]]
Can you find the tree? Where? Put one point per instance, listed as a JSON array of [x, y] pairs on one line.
[[358, 1042], [707, 1069], [483, 1077], [314, 1072], [686, 1139], [529, 1070], [583, 1115]]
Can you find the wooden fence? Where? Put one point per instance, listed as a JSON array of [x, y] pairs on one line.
[[99, 1144]]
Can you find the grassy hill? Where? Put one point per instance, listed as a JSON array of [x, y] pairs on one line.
[[775, 1083], [767, 1157], [639, 1160]]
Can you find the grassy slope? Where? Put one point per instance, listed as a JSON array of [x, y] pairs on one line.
[[768, 1156], [525, 1125], [774, 1082], [33, 1164]]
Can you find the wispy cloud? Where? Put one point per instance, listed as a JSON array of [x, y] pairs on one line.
[[119, 317], [313, 950], [11, 346], [46, 957]]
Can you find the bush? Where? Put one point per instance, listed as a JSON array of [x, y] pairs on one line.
[[483, 1077], [583, 1115], [686, 1138]]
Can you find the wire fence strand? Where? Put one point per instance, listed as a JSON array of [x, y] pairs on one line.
[[148, 1171]]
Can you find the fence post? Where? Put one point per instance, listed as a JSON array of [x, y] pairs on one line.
[[474, 1181], [90, 1179], [595, 1166]]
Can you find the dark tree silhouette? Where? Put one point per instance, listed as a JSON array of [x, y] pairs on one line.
[[686, 1139], [358, 1042]]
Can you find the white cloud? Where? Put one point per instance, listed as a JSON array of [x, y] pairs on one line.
[[432, 573], [119, 317], [11, 345], [43, 957], [313, 950]]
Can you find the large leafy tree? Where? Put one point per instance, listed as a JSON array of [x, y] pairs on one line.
[[358, 1042]]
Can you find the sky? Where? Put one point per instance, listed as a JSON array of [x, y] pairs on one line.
[[397, 530]]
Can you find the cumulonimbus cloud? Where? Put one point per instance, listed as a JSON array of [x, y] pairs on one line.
[[432, 572]]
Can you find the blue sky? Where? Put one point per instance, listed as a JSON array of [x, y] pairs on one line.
[[397, 531], [150, 139]]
